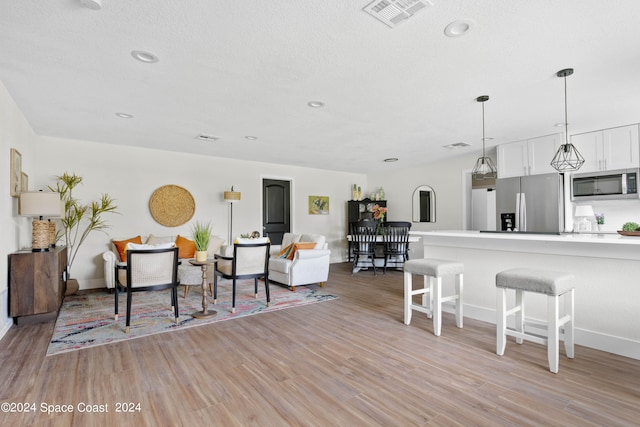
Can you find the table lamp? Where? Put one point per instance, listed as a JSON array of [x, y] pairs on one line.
[[585, 212], [231, 197], [40, 204]]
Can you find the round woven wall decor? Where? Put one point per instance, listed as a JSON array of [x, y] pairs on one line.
[[171, 205]]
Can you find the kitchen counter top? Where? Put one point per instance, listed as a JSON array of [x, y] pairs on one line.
[[605, 265], [603, 245]]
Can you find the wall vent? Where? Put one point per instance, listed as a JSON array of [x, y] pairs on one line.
[[393, 12]]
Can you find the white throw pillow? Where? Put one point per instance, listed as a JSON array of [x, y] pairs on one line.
[[137, 246], [254, 241], [156, 240]]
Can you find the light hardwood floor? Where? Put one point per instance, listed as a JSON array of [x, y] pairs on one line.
[[348, 362]]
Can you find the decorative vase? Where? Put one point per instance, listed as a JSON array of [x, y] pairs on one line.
[[72, 287], [201, 256]]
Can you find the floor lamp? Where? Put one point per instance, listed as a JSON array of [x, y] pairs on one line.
[[231, 197]]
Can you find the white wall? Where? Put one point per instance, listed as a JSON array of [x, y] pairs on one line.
[[15, 132], [616, 213], [447, 180], [131, 175]]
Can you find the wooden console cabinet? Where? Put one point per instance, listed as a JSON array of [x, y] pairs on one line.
[[36, 284]]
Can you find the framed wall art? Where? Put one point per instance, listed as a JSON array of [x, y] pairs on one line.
[[16, 172], [24, 182], [318, 205]]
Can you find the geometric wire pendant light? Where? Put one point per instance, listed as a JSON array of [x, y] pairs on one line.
[[484, 167], [567, 158]]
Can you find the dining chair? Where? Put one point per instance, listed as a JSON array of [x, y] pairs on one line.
[[395, 235], [148, 270], [363, 238], [249, 261]]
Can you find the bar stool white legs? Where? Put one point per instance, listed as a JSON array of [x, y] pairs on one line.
[[554, 285], [433, 270]]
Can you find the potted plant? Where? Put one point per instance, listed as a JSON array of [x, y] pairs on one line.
[[201, 234], [79, 220]]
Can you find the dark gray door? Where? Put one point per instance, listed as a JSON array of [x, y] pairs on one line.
[[276, 209]]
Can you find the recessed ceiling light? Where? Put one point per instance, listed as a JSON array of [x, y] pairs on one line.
[[560, 125], [391, 159], [315, 104], [251, 137], [124, 115], [458, 28], [204, 137], [93, 4], [143, 56]]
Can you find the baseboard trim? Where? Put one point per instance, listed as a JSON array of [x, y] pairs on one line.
[[92, 283], [7, 321], [596, 340]]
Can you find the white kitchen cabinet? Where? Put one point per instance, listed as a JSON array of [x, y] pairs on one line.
[[609, 149], [529, 157]]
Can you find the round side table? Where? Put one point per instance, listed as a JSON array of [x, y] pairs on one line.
[[204, 313]]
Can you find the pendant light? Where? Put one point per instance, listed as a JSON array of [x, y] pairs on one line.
[[484, 167], [567, 158]]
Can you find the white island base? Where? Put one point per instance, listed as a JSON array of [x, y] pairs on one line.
[[607, 270]]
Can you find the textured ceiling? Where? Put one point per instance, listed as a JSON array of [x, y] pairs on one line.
[[234, 69]]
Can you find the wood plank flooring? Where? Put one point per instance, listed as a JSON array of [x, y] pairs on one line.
[[347, 362]]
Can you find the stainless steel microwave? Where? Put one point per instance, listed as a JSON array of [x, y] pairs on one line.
[[608, 185]]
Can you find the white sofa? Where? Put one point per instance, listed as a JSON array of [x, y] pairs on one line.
[[308, 266], [187, 273]]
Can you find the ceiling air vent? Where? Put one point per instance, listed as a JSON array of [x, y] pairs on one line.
[[204, 137], [456, 145], [393, 12]]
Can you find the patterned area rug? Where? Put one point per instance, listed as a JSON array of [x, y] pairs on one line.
[[88, 320]]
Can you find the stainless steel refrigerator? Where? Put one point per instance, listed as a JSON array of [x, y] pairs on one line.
[[530, 204]]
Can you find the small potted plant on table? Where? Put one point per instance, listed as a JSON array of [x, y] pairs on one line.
[[201, 234]]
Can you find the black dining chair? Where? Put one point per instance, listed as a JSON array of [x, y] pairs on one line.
[[395, 235], [363, 238]]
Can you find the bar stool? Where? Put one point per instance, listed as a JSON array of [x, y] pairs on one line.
[[551, 283], [433, 270]]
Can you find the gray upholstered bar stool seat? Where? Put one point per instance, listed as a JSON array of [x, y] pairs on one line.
[[433, 270], [554, 284]]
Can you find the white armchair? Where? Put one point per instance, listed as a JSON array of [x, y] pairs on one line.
[[306, 267]]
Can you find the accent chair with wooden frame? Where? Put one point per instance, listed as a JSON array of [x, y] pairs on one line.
[[149, 270], [249, 261]]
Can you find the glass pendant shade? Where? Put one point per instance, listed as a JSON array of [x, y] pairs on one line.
[[484, 167], [567, 158]]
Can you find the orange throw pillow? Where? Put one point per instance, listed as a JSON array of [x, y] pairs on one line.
[[121, 246], [296, 246], [186, 247]]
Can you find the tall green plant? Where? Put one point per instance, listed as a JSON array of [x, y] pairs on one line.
[[201, 234], [80, 220]]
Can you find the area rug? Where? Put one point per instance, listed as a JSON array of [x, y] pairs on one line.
[[88, 320]]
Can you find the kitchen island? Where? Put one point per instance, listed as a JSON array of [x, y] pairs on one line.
[[606, 266]]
